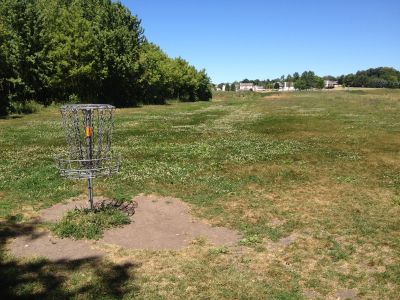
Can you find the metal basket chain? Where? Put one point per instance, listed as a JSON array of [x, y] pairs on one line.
[[85, 160]]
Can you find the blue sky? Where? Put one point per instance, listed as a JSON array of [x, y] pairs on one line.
[[234, 40]]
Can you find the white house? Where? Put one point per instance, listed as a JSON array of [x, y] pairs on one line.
[[330, 84], [258, 88], [286, 86], [246, 86]]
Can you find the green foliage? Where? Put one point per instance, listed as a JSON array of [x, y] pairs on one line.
[[26, 107], [251, 240], [218, 250], [383, 77], [309, 80], [89, 224], [92, 50], [164, 78]]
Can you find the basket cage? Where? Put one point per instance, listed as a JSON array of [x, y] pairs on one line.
[[88, 131]]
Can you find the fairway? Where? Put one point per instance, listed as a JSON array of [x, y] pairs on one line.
[[311, 181]]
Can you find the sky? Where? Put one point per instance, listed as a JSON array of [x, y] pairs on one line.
[[257, 39]]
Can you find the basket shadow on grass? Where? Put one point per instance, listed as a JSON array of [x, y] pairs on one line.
[[43, 279]]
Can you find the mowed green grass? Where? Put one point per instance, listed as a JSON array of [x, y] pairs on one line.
[[322, 168]]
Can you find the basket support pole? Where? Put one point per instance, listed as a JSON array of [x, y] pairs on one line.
[[89, 153], [90, 192]]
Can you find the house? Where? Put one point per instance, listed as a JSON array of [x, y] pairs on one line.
[[286, 86], [243, 86], [258, 88], [330, 84]]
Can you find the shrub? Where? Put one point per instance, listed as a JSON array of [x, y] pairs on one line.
[[27, 107]]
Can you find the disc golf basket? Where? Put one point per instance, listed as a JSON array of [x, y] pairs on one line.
[[88, 130]]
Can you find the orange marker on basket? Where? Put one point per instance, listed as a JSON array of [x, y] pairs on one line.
[[88, 132]]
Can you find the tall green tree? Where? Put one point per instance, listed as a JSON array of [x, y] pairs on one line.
[[90, 50]]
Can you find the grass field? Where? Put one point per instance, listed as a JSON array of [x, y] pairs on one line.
[[321, 169]]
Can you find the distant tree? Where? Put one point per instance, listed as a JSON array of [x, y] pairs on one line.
[[340, 79], [276, 85], [203, 86], [296, 76], [375, 77], [348, 80], [270, 85], [319, 82], [156, 70], [233, 87], [227, 87], [301, 84], [376, 82], [330, 77], [361, 80], [309, 80]]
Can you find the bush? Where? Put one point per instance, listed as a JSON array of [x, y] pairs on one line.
[[27, 107]]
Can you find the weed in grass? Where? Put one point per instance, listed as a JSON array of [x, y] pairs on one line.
[[199, 241], [338, 252], [14, 218], [245, 260], [89, 224], [259, 248], [251, 240], [219, 250], [396, 200]]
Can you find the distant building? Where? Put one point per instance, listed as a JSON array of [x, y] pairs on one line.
[[246, 86], [330, 84], [286, 86], [258, 88], [223, 87]]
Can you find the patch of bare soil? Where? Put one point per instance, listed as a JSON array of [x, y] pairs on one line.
[[276, 97], [348, 294], [158, 223], [42, 243]]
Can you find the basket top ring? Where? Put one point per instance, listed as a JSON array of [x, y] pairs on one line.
[[72, 107]]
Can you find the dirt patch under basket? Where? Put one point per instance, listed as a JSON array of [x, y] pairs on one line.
[[158, 223]]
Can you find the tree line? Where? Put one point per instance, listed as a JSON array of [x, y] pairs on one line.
[[382, 77], [307, 80], [86, 51]]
